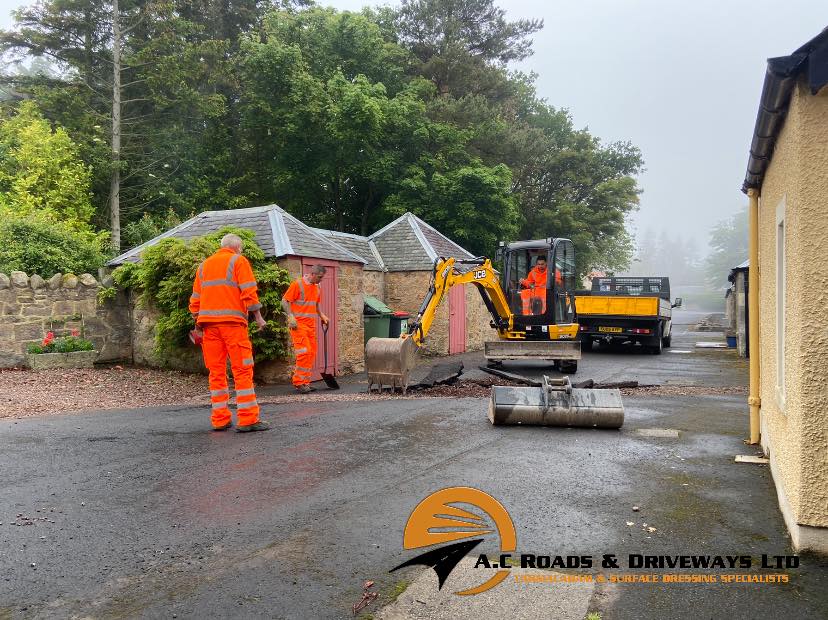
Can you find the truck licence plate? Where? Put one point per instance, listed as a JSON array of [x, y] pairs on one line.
[[612, 330]]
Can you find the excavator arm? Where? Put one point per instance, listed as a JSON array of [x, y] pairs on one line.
[[449, 272]]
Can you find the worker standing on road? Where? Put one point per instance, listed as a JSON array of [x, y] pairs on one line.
[[301, 305], [224, 293]]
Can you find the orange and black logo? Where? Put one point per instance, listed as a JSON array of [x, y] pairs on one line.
[[440, 518]]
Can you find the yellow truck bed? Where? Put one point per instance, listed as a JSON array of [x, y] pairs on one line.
[[618, 305]]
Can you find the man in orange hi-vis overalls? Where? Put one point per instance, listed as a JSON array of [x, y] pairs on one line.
[[534, 288], [533, 295], [301, 305], [224, 293]]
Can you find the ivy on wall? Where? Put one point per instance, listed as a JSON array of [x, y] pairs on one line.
[[164, 277]]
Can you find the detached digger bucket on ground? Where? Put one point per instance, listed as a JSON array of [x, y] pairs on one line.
[[389, 361], [556, 403]]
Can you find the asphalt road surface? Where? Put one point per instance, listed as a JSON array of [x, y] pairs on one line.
[[145, 513]]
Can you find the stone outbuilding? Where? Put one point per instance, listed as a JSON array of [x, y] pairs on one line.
[[787, 183], [737, 311], [394, 264]]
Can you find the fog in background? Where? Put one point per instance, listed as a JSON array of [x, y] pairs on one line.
[[679, 80]]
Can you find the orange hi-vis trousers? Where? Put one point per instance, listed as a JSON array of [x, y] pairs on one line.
[[223, 340], [533, 301], [304, 346]]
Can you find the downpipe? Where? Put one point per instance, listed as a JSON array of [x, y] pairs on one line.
[[754, 399]]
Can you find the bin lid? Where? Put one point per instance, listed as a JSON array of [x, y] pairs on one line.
[[399, 314], [374, 306]]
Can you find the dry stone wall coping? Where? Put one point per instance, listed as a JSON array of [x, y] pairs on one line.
[[19, 279]]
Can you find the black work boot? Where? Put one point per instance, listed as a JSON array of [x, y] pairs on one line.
[[251, 428], [304, 389], [223, 427]]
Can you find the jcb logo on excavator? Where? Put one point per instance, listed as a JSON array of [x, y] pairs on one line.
[[480, 274], [437, 519]]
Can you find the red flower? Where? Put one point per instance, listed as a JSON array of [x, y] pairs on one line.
[[50, 336], [75, 332]]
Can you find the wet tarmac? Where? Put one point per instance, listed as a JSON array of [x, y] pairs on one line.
[[145, 513]]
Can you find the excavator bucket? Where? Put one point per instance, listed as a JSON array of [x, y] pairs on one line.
[[389, 361], [556, 403]]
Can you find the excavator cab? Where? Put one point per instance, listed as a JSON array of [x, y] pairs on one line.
[[537, 279]]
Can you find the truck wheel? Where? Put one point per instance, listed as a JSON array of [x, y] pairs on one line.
[[658, 343], [668, 340], [586, 343], [568, 367]]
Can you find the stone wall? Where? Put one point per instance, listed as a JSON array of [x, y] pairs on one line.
[[32, 306], [405, 290], [478, 329], [373, 283], [350, 288], [144, 319]]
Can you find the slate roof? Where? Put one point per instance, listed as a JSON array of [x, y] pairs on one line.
[[278, 233], [406, 244], [359, 245], [409, 244]]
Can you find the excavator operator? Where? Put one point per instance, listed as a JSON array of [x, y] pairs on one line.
[[533, 295]]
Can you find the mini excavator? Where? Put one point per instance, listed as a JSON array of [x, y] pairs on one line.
[[533, 321]]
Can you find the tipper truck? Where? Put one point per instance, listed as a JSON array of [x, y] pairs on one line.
[[619, 309]]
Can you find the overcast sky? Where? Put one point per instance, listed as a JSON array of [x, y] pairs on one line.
[[680, 80]]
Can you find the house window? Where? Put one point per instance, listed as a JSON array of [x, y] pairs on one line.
[[780, 303]]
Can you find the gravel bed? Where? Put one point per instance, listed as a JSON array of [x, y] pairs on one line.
[[25, 393]]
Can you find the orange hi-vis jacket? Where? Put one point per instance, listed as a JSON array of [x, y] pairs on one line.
[[535, 277], [224, 290], [538, 278], [304, 299]]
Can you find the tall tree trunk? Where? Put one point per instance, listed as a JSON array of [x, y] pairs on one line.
[[115, 181], [340, 217], [367, 206]]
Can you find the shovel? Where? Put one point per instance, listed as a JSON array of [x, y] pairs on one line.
[[329, 379]]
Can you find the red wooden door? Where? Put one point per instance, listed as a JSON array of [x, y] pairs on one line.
[[457, 319], [328, 307]]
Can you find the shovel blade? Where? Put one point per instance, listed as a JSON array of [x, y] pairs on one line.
[[330, 381]]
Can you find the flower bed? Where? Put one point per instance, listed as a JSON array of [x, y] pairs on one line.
[[66, 352], [75, 359]]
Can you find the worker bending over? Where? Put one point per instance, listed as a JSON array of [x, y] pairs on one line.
[[301, 305], [224, 293]]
